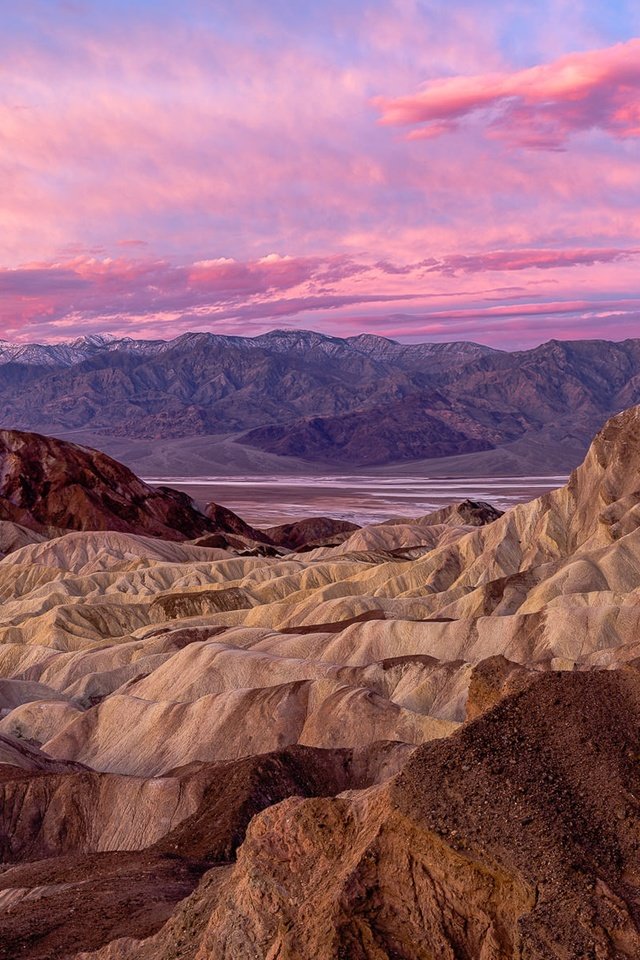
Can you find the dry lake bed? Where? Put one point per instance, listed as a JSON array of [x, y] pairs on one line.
[[360, 498]]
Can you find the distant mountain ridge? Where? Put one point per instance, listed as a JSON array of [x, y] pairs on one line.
[[70, 352], [316, 399]]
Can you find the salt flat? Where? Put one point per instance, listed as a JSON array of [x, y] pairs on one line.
[[361, 498]]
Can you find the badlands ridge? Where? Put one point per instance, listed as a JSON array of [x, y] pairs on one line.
[[410, 741]]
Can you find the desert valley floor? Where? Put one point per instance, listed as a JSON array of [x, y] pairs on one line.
[[416, 740], [364, 499]]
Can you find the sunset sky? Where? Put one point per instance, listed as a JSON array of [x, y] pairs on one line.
[[422, 169]]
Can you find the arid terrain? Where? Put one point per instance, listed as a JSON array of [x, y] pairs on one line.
[[406, 741]]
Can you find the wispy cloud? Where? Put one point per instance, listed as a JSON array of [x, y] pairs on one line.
[[506, 260], [156, 297], [85, 289], [539, 107]]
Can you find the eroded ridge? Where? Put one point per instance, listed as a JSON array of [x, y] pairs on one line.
[[409, 740]]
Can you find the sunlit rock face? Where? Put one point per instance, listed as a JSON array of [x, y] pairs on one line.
[[408, 740]]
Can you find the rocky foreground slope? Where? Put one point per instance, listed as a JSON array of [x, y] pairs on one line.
[[414, 740]]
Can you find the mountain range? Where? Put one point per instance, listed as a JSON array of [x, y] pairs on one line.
[[299, 400]]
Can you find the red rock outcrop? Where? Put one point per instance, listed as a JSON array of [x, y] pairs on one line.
[[47, 483], [89, 858]]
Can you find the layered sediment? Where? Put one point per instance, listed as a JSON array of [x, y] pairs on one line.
[[417, 739]]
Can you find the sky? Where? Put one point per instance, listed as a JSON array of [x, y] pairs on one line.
[[420, 169]]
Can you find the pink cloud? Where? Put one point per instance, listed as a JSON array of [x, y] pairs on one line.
[[511, 327], [529, 259], [508, 260], [546, 308], [539, 107], [218, 154], [271, 286], [222, 288]]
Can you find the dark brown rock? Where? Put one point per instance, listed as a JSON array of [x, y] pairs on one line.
[[226, 521], [494, 679], [515, 837], [470, 513], [50, 483], [310, 533]]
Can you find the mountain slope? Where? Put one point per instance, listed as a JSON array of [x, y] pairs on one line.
[[423, 425], [317, 399]]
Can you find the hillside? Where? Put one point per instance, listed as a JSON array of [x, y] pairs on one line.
[[295, 400]]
